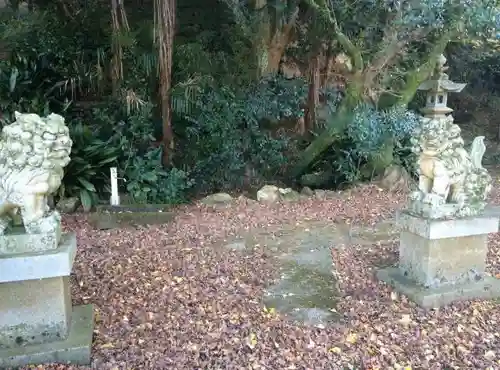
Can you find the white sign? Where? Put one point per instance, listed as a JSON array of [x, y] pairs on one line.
[[115, 197]]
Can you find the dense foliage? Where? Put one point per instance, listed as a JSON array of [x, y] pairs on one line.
[[226, 136], [236, 118]]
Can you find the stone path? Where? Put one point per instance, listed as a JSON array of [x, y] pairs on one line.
[[305, 290]]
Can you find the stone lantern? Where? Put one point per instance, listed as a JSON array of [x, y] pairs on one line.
[[444, 229], [437, 89]]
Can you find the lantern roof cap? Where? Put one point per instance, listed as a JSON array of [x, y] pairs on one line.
[[440, 81]]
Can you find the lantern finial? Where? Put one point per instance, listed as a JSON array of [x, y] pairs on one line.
[[437, 89]]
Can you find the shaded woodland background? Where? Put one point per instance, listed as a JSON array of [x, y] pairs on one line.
[[194, 97]]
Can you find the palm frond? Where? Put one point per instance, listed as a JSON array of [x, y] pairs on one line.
[[133, 102], [185, 95]]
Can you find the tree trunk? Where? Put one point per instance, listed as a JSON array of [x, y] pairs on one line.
[[165, 29], [275, 52], [275, 41], [119, 22], [329, 61], [417, 76], [116, 50], [313, 94], [276, 49], [354, 96], [337, 125], [424, 71]]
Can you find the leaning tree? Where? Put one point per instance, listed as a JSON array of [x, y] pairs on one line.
[[392, 46]]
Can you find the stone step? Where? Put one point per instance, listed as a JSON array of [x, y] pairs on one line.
[[305, 287]]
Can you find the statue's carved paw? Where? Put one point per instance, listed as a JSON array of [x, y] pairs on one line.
[[44, 225], [434, 200], [460, 198], [415, 195], [4, 224]]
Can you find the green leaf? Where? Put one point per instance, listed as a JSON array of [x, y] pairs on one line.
[[130, 186], [108, 160], [95, 198], [86, 199], [13, 79], [78, 160], [150, 176], [110, 151], [61, 191], [87, 185]]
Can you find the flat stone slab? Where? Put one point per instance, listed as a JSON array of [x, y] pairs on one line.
[[75, 349], [17, 241], [454, 228], [305, 290], [306, 293], [141, 208], [382, 232], [111, 217], [42, 265], [492, 210], [486, 288]]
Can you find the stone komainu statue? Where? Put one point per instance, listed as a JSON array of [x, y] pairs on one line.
[[33, 154], [452, 181]]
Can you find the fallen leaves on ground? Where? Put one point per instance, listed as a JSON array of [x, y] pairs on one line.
[[166, 298]]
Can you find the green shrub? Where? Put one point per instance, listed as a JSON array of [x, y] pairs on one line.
[[52, 63], [28, 84], [139, 159], [86, 176], [55, 61], [148, 182], [373, 140], [224, 135]]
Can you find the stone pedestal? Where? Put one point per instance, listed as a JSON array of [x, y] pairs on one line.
[[442, 261], [37, 321]]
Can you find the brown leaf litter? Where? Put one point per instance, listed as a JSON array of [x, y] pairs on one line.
[[166, 298]]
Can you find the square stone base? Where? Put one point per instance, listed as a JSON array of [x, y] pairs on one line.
[[485, 223], [437, 253], [437, 262], [17, 241], [40, 265], [34, 311], [75, 349], [486, 288]]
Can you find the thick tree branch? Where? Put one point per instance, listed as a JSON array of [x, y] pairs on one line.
[[323, 11], [424, 70], [390, 48]]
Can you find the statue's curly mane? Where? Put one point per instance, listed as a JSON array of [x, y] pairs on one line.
[[33, 153], [447, 143], [32, 142]]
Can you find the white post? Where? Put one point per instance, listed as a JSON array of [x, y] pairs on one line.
[[115, 197]]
